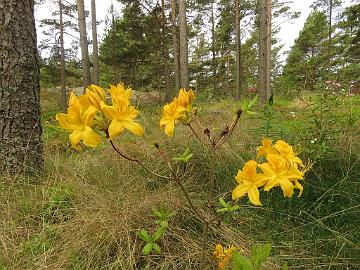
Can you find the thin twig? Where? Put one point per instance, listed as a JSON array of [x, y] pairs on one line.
[[196, 135], [126, 156]]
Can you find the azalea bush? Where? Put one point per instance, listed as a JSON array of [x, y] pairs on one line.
[[102, 115]]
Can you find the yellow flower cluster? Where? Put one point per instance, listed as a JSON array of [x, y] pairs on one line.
[[179, 110], [283, 168], [91, 111], [223, 255]]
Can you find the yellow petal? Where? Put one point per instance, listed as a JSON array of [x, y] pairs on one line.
[[115, 129], [287, 188], [75, 138], [169, 128], [241, 190], [88, 115], [254, 196], [109, 111], [299, 187], [64, 121], [134, 127], [90, 138]]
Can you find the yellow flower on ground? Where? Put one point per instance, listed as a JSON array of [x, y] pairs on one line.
[[79, 120], [265, 149], [279, 172], [249, 181], [171, 114], [96, 94], [287, 152], [223, 255], [121, 114]]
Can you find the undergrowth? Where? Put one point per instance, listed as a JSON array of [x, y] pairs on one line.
[[86, 211]]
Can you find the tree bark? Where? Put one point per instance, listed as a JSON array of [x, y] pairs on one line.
[[20, 127], [175, 45], [268, 50], [238, 50], [329, 37], [95, 43], [83, 44], [213, 48], [184, 72], [265, 50], [63, 101], [168, 95]]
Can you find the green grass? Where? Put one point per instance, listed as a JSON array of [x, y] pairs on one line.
[[87, 209]]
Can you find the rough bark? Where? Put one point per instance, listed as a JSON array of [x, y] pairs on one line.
[[238, 50], [85, 63], [268, 49], [329, 36], [184, 72], [265, 50], [95, 43], [63, 101], [20, 127], [213, 48], [175, 45], [168, 94]]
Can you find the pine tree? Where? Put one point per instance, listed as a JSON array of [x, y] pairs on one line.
[[20, 126]]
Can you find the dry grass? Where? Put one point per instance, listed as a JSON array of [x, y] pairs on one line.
[[86, 211]]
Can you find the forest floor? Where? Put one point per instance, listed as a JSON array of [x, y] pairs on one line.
[[87, 209]]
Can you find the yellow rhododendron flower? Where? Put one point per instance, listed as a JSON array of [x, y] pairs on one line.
[[171, 115], [121, 114], [179, 110], [287, 152], [186, 98], [249, 180], [223, 255], [79, 120], [96, 94], [265, 149], [279, 172]]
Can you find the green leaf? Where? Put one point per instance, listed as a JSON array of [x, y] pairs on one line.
[[164, 223], [156, 213], [223, 203], [157, 235], [234, 208], [143, 235], [147, 248], [241, 263], [251, 113], [253, 101], [222, 210], [187, 158], [156, 248], [285, 267], [259, 254]]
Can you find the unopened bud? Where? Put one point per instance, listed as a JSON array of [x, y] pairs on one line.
[[239, 112]]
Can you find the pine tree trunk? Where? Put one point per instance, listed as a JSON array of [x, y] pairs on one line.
[[83, 44], [238, 50], [175, 45], [20, 127], [268, 50], [168, 95], [95, 43], [329, 37], [184, 72], [213, 48], [63, 101], [265, 50]]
